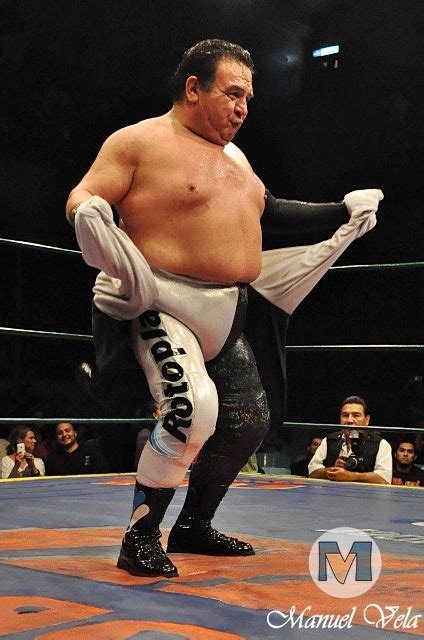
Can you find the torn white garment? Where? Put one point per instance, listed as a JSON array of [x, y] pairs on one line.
[[290, 273], [125, 287]]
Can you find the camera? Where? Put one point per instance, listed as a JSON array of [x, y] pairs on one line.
[[355, 461]]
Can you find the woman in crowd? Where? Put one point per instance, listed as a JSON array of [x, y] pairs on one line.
[[20, 461]]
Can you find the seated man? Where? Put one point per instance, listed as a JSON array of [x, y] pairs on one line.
[[71, 457], [300, 467], [353, 455], [404, 470]]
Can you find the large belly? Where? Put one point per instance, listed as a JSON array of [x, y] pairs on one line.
[[203, 221], [215, 248]]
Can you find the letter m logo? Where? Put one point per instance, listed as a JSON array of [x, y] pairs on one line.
[[330, 555]]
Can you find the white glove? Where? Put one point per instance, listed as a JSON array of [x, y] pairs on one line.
[[362, 201]]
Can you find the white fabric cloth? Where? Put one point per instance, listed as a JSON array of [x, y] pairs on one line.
[[3, 446], [7, 465], [290, 273], [126, 286], [383, 461]]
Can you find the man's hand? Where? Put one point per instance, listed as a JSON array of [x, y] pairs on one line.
[[340, 463], [339, 474], [362, 200]]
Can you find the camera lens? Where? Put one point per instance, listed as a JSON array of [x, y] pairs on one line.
[[351, 463]]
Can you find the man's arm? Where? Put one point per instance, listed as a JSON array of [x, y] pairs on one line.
[[110, 175], [302, 220], [339, 474], [383, 464], [316, 467], [382, 473], [320, 474]]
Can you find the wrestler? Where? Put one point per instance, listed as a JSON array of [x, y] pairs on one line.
[[190, 206]]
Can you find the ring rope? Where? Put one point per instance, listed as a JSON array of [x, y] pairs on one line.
[[338, 426], [32, 333], [355, 347], [76, 420], [295, 425], [351, 267], [382, 266], [40, 247]]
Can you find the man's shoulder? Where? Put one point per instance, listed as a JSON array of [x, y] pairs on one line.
[[56, 454], [138, 131], [334, 435], [418, 472], [236, 154], [414, 474]]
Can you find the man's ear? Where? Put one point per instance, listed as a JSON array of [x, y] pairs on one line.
[[192, 89]]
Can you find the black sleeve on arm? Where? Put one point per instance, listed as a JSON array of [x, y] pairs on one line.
[[307, 222]]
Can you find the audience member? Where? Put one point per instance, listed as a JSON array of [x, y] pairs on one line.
[[419, 446], [71, 457], [252, 465], [300, 467], [4, 442], [353, 454], [404, 470], [152, 411], [45, 441], [19, 461]]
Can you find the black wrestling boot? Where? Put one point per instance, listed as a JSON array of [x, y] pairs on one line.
[[193, 532], [142, 553]]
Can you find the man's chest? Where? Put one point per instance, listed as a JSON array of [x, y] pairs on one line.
[[200, 173]]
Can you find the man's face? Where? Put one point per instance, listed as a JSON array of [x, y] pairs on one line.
[[405, 454], [353, 414], [223, 108], [314, 445], [65, 434]]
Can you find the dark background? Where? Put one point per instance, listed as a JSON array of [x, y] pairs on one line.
[[74, 72]]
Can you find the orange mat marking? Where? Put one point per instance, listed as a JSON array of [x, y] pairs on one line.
[[236, 581], [55, 612], [121, 629]]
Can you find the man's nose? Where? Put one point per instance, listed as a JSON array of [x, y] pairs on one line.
[[241, 108]]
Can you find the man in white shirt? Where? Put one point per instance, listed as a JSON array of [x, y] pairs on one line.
[[353, 455]]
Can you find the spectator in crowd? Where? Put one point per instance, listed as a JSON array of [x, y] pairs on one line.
[[152, 411], [19, 461], [4, 442], [71, 457], [404, 470], [300, 467], [419, 446], [353, 454], [418, 421]]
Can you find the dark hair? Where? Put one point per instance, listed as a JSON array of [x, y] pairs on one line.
[[355, 400], [18, 433], [405, 438], [201, 60], [317, 435]]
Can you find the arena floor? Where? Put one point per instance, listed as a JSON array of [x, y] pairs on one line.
[[59, 540]]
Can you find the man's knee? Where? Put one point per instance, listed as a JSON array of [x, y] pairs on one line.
[[190, 421]]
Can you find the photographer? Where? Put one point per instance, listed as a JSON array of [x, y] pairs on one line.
[[353, 454]]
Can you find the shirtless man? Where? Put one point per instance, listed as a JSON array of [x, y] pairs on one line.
[[191, 205]]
